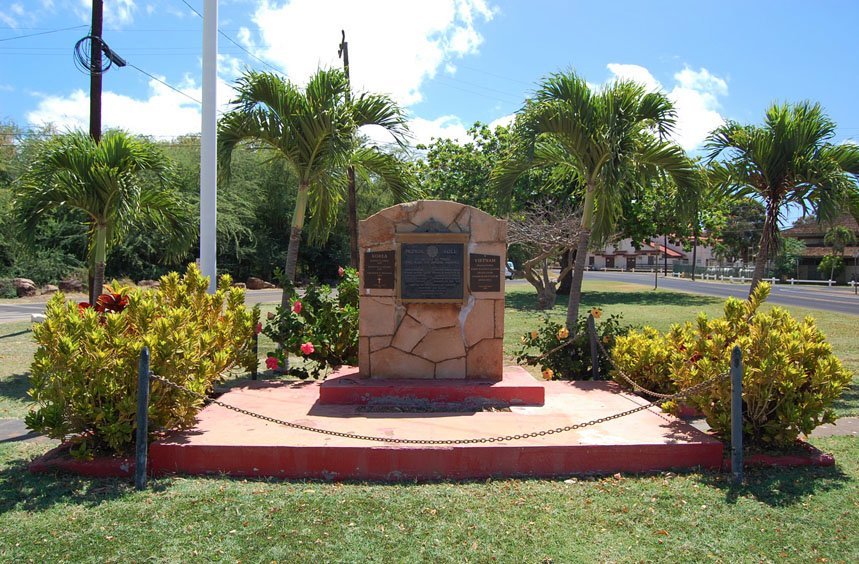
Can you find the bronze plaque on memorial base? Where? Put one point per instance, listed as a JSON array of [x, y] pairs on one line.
[[431, 271], [379, 269], [484, 273]]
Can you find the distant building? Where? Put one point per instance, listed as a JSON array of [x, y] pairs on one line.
[[812, 235], [623, 255]]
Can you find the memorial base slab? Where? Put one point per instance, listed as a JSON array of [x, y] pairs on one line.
[[227, 442]]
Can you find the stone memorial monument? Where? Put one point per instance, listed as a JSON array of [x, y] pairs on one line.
[[432, 292]]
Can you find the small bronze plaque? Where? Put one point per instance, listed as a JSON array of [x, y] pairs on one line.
[[431, 271], [379, 269], [484, 273]]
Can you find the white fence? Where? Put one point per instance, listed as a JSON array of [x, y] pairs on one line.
[[790, 281]]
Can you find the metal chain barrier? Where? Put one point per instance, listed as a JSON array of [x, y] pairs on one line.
[[481, 440], [635, 385]]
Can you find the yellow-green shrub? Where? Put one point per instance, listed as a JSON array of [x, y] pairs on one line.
[[84, 374], [790, 378], [646, 356]]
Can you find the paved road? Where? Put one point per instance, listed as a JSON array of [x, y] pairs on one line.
[[841, 300], [10, 311]]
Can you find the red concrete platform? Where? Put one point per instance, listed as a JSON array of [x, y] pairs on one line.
[[517, 387], [224, 441]]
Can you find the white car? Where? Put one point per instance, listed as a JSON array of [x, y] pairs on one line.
[[508, 270]]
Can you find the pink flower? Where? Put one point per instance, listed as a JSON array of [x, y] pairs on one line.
[[341, 271], [258, 328], [296, 306], [307, 348], [271, 363]]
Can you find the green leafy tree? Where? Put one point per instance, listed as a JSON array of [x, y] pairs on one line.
[[787, 160], [741, 232], [785, 262], [110, 183], [838, 237], [612, 139], [831, 266], [313, 130]]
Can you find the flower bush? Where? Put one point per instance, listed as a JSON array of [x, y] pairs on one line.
[[84, 373], [790, 376], [571, 362], [321, 327]]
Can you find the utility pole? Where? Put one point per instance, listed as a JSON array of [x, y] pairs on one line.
[[665, 255], [352, 198], [95, 75]]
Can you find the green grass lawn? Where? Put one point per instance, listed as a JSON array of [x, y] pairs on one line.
[[795, 515], [780, 514]]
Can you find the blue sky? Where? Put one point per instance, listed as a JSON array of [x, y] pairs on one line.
[[449, 62]]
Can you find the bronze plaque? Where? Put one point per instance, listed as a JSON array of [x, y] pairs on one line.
[[484, 273], [379, 269], [431, 271]]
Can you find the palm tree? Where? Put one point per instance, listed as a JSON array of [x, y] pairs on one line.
[[111, 182], [788, 160], [613, 139], [314, 132], [838, 237]]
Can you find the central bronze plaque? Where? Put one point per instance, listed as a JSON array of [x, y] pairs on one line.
[[431, 271]]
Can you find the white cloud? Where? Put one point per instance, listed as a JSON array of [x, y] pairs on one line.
[[696, 98], [506, 121], [164, 114], [8, 20], [635, 73], [394, 45], [116, 12], [449, 126], [695, 95]]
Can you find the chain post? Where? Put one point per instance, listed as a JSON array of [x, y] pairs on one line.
[[255, 369], [592, 336], [737, 415], [142, 437]]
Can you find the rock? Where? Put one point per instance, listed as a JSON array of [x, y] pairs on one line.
[[24, 287], [71, 285], [149, 284], [37, 317], [254, 283], [50, 289], [241, 285]]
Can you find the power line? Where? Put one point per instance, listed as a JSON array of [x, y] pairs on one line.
[[153, 77], [230, 39], [43, 32]]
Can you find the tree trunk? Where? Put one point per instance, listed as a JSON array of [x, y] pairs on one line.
[[99, 256], [764, 250], [565, 280], [353, 217], [546, 297], [579, 265], [295, 238]]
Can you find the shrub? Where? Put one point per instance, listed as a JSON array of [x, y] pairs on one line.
[[646, 356], [84, 374], [7, 289], [573, 361], [320, 327], [790, 376]]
